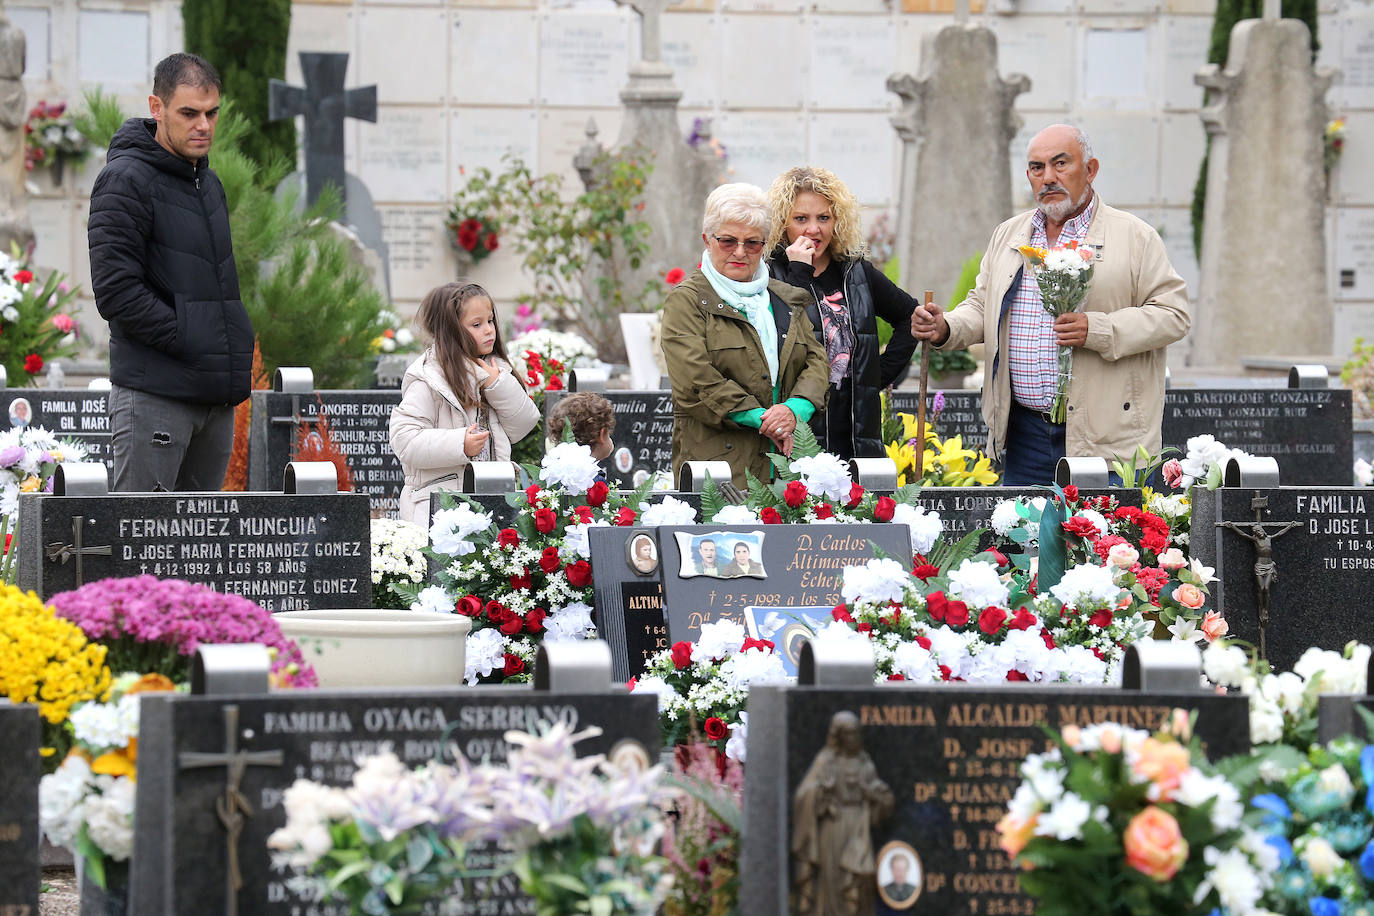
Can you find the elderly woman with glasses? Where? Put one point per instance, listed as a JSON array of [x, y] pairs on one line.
[[745, 364]]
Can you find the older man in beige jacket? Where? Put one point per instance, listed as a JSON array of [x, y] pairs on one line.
[[1135, 307]]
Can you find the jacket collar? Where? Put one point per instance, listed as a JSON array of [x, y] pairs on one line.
[[138, 138]]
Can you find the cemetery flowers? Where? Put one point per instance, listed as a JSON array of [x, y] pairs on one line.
[[475, 237], [28, 457], [947, 462], [1063, 275], [52, 137], [34, 328], [1114, 820], [398, 559]]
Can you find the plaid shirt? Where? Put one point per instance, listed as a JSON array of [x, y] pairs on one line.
[[1032, 354]]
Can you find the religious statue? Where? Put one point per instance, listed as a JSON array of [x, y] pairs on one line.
[[14, 207], [834, 811], [1266, 570]]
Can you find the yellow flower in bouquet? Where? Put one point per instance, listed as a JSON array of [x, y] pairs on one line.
[[946, 461], [46, 660]]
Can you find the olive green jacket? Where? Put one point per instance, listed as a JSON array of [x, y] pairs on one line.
[[717, 367]]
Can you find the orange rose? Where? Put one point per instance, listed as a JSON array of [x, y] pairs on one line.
[[1154, 844], [152, 683], [1190, 596], [1163, 763], [1214, 625], [1015, 834]]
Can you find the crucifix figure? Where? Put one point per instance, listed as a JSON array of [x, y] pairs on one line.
[[1260, 534], [232, 807], [76, 550], [325, 104]]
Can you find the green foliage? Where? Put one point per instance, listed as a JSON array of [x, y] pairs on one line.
[[245, 40], [947, 556], [34, 328], [1053, 547], [1135, 470], [102, 117], [968, 276]]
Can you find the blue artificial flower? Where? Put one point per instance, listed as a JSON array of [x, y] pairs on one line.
[[1312, 801], [1367, 771], [1275, 807], [1283, 847], [1294, 883], [1324, 906], [1367, 862]]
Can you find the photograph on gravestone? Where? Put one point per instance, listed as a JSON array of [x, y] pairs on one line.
[[721, 554], [928, 773], [628, 603], [787, 628], [283, 551], [20, 736], [962, 414], [1293, 565], [191, 768], [67, 413], [643, 434], [285, 427]]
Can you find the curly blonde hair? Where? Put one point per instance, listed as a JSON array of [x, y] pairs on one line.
[[847, 239]]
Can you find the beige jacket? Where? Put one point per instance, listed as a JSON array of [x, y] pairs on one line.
[[1136, 305], [428, 427]]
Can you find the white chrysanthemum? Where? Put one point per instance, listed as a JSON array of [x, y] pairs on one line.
[[486, 652], [736, 747], [825, 475], [835, 631], [1086, 584], [60, 797], [878, 581], [572, 621], [1096, 518], [570, 466], [1005, 517], [1065, 818], [1266, 721], [434, 600], [914, 663], [925, 526], [450, 529], [735, 515], [672, 511], [1195, 788], [1225, 665], [110, 819], [1076, 665], [1237, 883], [99, 725], [718, 640], [744, 669], [977, 584], [576, 542], [656, 685]]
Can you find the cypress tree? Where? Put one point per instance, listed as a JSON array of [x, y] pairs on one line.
[[245, 40], [1228, 13]]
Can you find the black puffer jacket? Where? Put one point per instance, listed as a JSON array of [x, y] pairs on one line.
[[162, 268]]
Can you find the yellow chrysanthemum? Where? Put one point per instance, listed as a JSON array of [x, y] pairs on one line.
[[30, 484], [46, 660]]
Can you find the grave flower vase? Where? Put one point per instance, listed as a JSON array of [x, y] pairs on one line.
[[110, 900], [377, 647]]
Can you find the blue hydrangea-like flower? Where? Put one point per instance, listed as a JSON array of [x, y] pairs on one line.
[[1312, 801], [1367, 862], [1284, 848], [1324, 906], [1367, 771], [1275, 808]]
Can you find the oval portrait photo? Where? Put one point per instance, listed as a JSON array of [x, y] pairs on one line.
[[899, 875]]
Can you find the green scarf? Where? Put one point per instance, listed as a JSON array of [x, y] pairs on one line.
[[750, 298]]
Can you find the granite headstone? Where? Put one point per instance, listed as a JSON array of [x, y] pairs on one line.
[[629, 612], [68, 413], [20, 735], [283, 551], [962, 414]]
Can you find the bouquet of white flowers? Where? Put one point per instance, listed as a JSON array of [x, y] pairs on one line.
[[1062, 275]]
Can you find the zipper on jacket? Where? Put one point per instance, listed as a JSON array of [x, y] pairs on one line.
[[195, 173]]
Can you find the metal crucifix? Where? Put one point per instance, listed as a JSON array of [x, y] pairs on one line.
[[61, 553], [1259, 533], [233, 806]]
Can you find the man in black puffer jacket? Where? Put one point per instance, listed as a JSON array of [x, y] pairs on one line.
[[162, 265]]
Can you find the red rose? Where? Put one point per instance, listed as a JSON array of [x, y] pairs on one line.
[[514, 665], [597, 493], [715, 729], [467, 238], [625, 516], [490, 242], [864, 627], [1016, 676], [468, 606], [841, 613], [33, 363], [770, 516], [534, 620], [956, 614], [945, 672], [1081, 527], [545, 520], [923, 642], [1022, 620], [584, 514], [532, 493], [925, 571], [998, 557], [23, 276], [752, 643], [555, 383], [896, 677], [674, 276], [549, 560], [1071, 493], [1049, 640], [794, 494], [824, 511], [579, 574], [495, 611], [514, 625], [521, 580], [508, 537], [1101, 618], [991, 620], [682, 655], [936, 605], [856, 495], [884, 509]]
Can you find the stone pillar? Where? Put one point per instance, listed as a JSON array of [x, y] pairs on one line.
[[1263, 289], [956, 124], [14, 202]]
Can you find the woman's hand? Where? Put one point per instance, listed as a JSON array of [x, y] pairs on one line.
[[803, 249], [778, 421], [474, 439]]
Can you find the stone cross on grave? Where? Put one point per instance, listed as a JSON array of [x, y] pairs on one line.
[[76, 550], [325, 104], [1262, 535], [961, 11], [233, 806], [650, 15], [1273, 9]]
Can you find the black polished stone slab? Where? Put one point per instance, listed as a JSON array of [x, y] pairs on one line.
[[1323, 565], [643, 433], [962, 416], [179, 863], [950, 757], [503, 514], [283, 551], [629, 611], [20, 735], [359, 422], [68, 413]]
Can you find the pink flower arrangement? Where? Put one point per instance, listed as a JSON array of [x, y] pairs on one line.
[[155, 625]]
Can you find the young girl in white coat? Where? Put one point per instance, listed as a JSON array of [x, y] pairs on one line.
[[460, 401]]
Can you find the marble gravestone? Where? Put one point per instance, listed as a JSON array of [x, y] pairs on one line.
[[947, 759], [962, 414], [284, 551], [1293, 564], [20, 736], [68, 413], [182, 853]]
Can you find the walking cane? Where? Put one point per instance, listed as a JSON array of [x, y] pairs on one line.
[[921, 402]]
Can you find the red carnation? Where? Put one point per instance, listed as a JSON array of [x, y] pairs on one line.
[[625, 516], [1102, 618], [534, 620], [841, 613], [532, 493], [1153, 541], [1104, 545], [923, 642], [508, 537], [937, 605], [533, 360], [33, 363], [584, 514], [715, 729], [794, 494], [770, 516], [925, 571], [521, 580], [549, 560], [1022, 620], [545, 520], [884, 509], [514, 625], [896, 677], [514, 665], [579, 574], [597, 493], [1071, 493], [1016, 676], [674, 276], [752, 643], [468, 606], [1049, 640], [682, 655], [555, 383], [856, 495], [945, 672], [956, 614], [991, 620], [824, 511], [490, 242], [23, 276], [1081, 527], [864, 627]]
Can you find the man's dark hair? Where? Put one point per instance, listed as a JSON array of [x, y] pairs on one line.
[[183, 70], [587, 413]]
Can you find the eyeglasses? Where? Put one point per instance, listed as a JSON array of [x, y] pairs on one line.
[[730, 243]]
